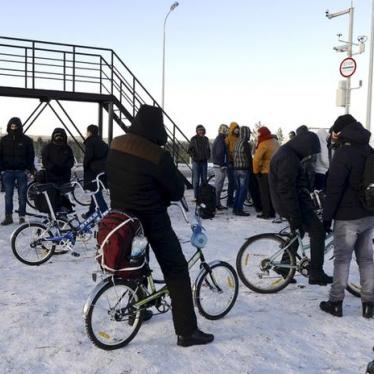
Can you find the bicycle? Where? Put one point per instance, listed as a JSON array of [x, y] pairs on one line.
[[78, 193], [267, 263], [114, 310], [34, 243]]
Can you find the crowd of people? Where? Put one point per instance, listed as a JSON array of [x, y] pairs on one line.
[[143, 179]]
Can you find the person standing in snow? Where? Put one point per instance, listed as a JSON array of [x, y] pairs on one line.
[[16, 159], [322, 161], [266, 146], [220, 161], [231, 140], [354, 225], [199, 150], [242, 167]]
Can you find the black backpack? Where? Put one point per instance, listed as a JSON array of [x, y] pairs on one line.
[[367, 184], [206, 195]]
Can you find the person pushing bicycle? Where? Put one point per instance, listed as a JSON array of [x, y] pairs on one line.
[[291, 197]]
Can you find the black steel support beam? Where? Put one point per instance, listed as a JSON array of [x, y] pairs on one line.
[[100, 119], [71, 121], [110, 122], [36, 117], [66, 127]]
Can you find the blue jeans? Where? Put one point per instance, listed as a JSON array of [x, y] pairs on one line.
[[231, 187], [241, 182], [10, 177], [100, 201], [356, 235], [199, 174]]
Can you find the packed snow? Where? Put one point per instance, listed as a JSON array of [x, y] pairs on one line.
[[42, 328]]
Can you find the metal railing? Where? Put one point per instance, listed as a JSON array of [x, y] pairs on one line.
[[35, 64]]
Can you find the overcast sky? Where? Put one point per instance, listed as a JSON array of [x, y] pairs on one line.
[[226, 61]]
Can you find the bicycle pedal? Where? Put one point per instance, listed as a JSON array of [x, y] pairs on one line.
[[75, 254]]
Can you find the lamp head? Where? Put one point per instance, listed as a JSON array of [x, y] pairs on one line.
[[174, 5]]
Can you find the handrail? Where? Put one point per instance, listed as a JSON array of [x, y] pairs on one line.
[[75, 64]]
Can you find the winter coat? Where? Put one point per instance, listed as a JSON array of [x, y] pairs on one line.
[[242, 156], [231, 141], [263, 155], [322, 159], [141, 175], [219, 151], [94, 159], [199, 148], [287, 179], [345, 173], [58, 160], [16, 151]]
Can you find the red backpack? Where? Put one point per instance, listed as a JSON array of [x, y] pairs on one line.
[[117, 231]]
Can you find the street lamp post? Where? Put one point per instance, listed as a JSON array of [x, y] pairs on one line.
[[172, 7], [370, 79]]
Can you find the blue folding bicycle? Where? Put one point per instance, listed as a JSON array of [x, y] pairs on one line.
[[35, 242]]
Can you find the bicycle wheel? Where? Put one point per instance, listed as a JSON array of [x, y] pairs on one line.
[[112, 321], [80, 196], [29, 243], [263, 266], [30, 193], [216, 290]]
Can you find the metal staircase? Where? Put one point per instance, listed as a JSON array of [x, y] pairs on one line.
[[66, 72]]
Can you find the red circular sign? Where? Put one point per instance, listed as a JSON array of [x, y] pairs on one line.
[[348, 67]]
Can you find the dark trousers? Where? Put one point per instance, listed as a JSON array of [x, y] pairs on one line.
[[231, 186], [320, 181], [267, 206], [168, 252], [100, 202], [10, 177], [254, 190], [199, 174], [313, 226]]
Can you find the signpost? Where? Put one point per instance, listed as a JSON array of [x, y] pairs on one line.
[[348, 67]]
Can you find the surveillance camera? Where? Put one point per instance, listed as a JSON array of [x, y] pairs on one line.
[[341, 48], [339, 35], [327, 12], [362, 38]]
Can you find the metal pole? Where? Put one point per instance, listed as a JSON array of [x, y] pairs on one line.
[[349, 52], [173, 6], [163, 63], [370, 79]]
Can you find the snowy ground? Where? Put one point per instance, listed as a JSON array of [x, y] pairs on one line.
[[42, 329]]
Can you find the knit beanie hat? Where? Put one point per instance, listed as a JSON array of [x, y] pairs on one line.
[[223, 129], [200, 127], [93, 129], [263, 131], [341, 122]]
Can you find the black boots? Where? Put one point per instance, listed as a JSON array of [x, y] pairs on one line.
[[196, 338], [240, 213], [335, 308], [368, 310], [321, 279], [8, 220]]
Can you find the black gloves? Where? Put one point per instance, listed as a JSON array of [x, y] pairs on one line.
[[296, 224], [327, 226]]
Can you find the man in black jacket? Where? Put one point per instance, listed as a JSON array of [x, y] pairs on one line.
[[220, 162], [58, 158], [16, 158], [143, 180], [354, 225], [199, 150], [96, 151], [291, 198]]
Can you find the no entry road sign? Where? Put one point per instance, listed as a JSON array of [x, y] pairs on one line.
[[348, 67]]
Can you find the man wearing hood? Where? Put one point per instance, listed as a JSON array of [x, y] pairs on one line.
[[231, 140], [354, 225], [58, 158], [143, 180], [199, 150], [16, 158], [290, 195], [242, 158]]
